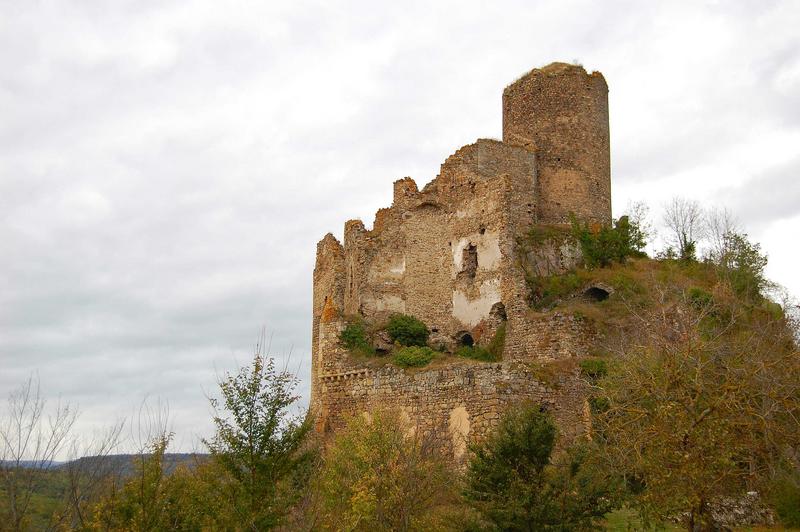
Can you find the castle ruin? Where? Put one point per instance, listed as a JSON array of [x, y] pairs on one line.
[[448, 255]]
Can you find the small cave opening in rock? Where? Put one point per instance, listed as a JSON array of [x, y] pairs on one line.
[[469, 259], [596, 293], [465, 339]]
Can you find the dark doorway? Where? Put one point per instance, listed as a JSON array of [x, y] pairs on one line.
[[596, 294], [466, 340]]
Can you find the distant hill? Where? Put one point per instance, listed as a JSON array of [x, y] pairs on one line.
[[32, 464], [125, 464]]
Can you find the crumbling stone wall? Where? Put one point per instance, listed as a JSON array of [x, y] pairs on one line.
[[448, 255], [455, 403]]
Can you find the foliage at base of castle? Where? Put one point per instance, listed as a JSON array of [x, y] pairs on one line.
[[258, 444], [514, 482], [381, 474]]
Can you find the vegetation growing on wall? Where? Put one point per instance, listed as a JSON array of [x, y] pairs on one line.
[[355, 338], [491, 352], [546, 291], [413, 356], [593, 368], [407, 330]]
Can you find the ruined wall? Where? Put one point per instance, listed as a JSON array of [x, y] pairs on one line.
[[449, 255], [328, 296], [561, 113], [455, 403], [444, 254]]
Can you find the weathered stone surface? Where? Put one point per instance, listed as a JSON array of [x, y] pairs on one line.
[[561, 112], [448, 255]]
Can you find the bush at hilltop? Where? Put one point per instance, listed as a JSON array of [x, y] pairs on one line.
[[621, 240], [704, 401]]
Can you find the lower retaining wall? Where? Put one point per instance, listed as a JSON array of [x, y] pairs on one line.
[[455, 404]]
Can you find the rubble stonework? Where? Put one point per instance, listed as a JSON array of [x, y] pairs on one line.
[[447, 254]]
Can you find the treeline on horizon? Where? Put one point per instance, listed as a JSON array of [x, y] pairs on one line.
[[694, 405]]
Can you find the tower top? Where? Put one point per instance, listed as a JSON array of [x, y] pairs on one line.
[[561, 112]]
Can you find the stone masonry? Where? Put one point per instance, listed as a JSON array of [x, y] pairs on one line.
[[448, 255]]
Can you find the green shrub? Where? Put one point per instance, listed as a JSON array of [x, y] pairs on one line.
[[699, 298], [407, 330], [614, 243], [593, 368], [785, 499], [773, 309], [498, 342], [539, 234], [413, 357], [475, 352], [742, 264], [354, 338], [546, 291], [599, 405], [515, 484], [491, 352]]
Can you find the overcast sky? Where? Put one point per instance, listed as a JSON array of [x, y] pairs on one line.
[[166, 168]]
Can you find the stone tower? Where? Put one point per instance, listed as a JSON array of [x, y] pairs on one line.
[[561, 112]]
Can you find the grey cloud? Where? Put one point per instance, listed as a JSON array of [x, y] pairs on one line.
[[767, 197]]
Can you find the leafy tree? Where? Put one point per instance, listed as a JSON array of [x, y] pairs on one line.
[[696, 409], [608, 244], [381, 474], [155, 498], [512, 480], [642, 230], [742, 264], [258, 444], [141, 502]]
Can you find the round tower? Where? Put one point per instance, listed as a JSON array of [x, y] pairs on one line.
[[561, 112]]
